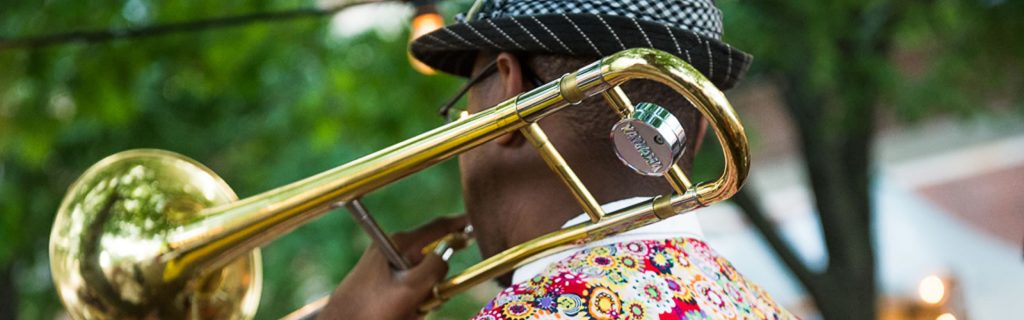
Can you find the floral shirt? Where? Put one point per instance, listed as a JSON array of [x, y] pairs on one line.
[[680, 278]]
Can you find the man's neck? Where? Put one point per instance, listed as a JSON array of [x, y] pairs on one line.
[[547, 208], [542, 211]]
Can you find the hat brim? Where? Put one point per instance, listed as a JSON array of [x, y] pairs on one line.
[[452, 49]]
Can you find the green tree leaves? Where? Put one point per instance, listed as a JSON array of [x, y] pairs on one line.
[[263, 105]]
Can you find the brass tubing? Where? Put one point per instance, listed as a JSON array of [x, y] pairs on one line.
[[677, 179], [557, 164], [381, 238], [233, 229], [672, 72], [618, 101], [614, 70], [309, 311], [537, 104]]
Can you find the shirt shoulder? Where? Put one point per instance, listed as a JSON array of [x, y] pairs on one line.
[[678, 278]]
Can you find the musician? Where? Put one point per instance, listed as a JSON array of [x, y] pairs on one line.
[[663, 270]]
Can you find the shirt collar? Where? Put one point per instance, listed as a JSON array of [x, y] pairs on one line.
[[684, 225]]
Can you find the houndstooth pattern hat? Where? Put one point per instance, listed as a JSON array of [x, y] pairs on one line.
[[690, 29]]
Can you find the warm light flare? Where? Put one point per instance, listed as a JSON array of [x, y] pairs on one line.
[[932, 290], [425, 23], [422, 24], [946, 316]]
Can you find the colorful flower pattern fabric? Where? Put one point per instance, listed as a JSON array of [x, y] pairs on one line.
[[679, 278]]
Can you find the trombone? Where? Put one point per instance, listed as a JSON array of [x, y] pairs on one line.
[[148, 233]]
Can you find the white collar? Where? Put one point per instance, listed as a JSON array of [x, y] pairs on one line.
[[684, 225]]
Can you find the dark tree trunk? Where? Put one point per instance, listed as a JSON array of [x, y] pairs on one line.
[[836, 125], [835, 137], [8, 293]]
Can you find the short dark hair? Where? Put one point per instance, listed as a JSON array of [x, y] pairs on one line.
[[592, 120]]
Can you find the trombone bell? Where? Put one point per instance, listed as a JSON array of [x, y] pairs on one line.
[[112, 245]]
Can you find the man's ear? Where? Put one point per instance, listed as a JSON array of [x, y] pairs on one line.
[[510, 76], [510, 73]]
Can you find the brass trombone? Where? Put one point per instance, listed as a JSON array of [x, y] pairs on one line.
[[147, 233]]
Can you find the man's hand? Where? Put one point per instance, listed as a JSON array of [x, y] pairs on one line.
[[373, 290]]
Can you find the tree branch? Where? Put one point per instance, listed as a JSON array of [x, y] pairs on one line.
[[750, 205], [95, 36]]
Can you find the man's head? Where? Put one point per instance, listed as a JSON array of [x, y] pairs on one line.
[[511, 195]]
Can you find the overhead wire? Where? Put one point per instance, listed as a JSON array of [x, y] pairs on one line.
[[96, 36]]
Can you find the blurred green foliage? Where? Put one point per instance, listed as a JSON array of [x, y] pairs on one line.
[[262, 105], [270, 103], [841, 65], [939, 56]]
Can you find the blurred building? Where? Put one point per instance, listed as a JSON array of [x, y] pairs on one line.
[[948, 203]]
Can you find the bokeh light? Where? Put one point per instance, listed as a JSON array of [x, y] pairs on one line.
[[932, 290]]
